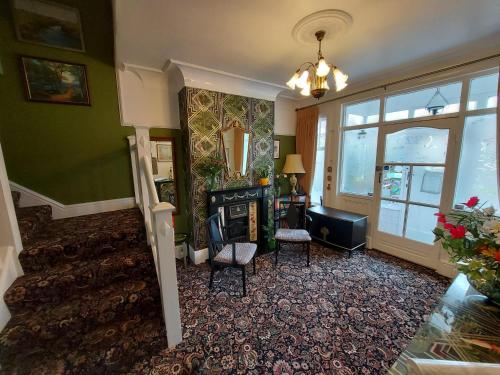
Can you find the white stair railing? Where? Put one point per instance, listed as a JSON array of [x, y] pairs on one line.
[[160, 233]]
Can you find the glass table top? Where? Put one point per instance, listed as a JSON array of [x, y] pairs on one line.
[[463, 327]]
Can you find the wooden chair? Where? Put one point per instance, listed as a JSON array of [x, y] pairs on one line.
[[224, 253], [294, 234]]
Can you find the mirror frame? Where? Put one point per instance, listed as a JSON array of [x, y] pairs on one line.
[[174, 171], [236, 175]]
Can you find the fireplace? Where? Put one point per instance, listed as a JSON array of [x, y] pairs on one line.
[[244, 211]]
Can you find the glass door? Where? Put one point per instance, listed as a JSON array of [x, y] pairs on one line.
[[411, 170]]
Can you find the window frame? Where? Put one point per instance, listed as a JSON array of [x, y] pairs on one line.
[[464, 77]]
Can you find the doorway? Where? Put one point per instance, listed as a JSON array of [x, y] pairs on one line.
[[413, 164]]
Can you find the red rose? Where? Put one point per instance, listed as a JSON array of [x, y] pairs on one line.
[[458, 232], [449, 226], [441, 217], [472, 202], [497, 257]]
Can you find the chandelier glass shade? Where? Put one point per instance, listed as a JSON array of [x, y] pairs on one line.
[[312, 78]]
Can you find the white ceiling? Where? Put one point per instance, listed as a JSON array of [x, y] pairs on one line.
[[253, 38]]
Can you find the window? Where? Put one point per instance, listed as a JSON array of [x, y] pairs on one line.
[[477, 171], [319, 168], [359, 151], [483, 92], [362, 113], [414, 104]]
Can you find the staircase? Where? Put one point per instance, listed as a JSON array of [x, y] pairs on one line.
[[89, 302]]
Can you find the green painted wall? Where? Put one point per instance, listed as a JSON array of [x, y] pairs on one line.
[[70, 153], [181, 219], [287, 146]]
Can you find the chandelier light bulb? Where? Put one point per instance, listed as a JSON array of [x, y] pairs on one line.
[[302, 81], [306, 91], [323, 69], [293, 81], [340, 79]]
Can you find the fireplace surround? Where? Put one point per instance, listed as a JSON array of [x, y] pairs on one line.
[[245, 212]]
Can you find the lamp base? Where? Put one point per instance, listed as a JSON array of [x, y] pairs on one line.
[[293, 184]]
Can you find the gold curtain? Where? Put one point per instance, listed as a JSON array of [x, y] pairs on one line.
[[305, 144]]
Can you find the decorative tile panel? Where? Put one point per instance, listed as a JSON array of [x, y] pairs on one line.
[[203, 115]]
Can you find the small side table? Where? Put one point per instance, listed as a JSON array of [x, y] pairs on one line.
[[181, 246]]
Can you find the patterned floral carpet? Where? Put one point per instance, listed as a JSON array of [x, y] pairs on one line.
[[89, 304], [339, 316]]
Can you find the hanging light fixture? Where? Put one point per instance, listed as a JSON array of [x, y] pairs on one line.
[[437, 103], [312, 79]]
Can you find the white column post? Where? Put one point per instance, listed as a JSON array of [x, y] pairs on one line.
[[167, 274]]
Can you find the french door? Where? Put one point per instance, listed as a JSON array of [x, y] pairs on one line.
[[414, 182]]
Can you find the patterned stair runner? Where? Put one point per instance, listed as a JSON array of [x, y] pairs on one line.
[[89, 302]]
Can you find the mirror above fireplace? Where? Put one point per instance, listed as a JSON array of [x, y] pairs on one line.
[[236, 143]]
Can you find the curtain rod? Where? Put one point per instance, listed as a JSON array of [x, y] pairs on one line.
[[451, 67]]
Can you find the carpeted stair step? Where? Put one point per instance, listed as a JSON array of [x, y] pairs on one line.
[[109, 349], [32, 220], [16, 197], [57, 283], [80, 314], [83, 237]]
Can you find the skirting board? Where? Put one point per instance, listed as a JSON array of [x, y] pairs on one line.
[[59, 211], [198, 256]]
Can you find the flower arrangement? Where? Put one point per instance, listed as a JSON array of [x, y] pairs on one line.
[[472, 239], [210, 168]]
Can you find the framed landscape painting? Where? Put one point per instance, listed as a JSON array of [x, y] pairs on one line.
[[50, 24], [54, 81]]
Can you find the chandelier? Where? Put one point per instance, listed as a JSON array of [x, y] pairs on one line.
[[312, 78]]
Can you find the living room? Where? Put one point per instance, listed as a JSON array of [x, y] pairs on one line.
[[249, 187]]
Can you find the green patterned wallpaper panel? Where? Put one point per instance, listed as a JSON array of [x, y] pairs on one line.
[[204, 114]]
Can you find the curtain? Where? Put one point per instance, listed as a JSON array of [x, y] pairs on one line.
[[305, 144]]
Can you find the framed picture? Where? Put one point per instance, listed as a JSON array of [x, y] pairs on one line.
[[164, 152], [276, 149], [54, 81], [47, 23]]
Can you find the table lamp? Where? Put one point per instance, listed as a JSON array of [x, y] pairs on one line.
[[293, 164]]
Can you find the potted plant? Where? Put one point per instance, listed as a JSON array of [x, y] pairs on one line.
[[210, 169], [472, 239], [262, 174], [277, 183]]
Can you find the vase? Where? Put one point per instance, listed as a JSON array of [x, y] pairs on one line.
[[264, 181], [490, 289]]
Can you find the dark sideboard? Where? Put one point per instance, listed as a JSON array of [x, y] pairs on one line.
[[340, 229]]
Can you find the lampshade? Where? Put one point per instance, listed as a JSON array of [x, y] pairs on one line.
[[293, 164]]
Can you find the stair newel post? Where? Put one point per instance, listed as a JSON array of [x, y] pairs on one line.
[[144, 153], [167, 273]]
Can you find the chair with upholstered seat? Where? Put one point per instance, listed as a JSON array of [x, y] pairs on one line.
[[224, 253], [294, 234]]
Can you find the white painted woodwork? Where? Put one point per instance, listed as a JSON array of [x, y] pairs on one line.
[[60, 211], [10, 241], [159, 227], [368, 205]]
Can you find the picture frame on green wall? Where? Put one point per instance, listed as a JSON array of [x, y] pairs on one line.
[[276, 151], [53, 81], [49, 24]]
